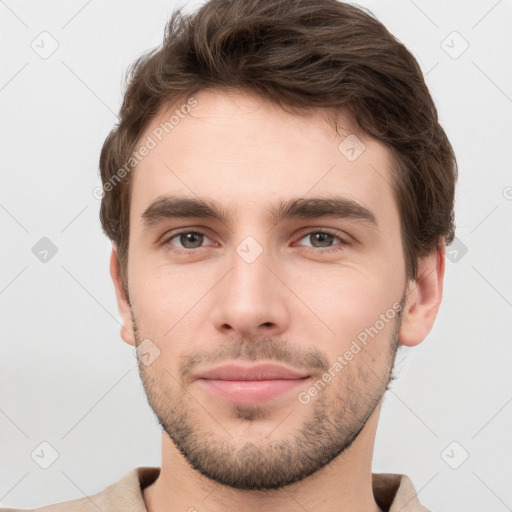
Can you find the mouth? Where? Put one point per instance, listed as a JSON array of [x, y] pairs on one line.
[[250, 385]]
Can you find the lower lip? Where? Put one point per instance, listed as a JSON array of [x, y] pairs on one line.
[[250, 392]]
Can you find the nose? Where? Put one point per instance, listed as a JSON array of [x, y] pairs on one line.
[[251, 300]]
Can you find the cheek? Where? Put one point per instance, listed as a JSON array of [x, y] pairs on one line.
[[165, 299], [350, 302], [332, 302]]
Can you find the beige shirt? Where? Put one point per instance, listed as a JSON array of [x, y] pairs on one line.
[[393, 493]]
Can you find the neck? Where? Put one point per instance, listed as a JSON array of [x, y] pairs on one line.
[[345, 484]]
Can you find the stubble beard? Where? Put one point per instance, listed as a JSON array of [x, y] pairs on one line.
[[335, 419]]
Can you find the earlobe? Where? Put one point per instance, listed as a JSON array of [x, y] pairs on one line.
[[423, 299], [123, 305]]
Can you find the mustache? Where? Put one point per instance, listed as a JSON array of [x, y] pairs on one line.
[[264, 348]]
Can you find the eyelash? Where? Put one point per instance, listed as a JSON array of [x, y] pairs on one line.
[[343, 243]]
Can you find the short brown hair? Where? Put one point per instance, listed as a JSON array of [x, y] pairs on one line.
[[302, 54]]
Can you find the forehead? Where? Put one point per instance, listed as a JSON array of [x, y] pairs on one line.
[[245, 152]]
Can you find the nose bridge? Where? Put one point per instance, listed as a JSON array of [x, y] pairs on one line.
[[251, 255], [248, 282], [250, 275]]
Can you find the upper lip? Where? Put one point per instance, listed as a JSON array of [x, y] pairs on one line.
[[254, 372]]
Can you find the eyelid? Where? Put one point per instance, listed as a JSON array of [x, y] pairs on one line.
[[334, 232], [167, 237]]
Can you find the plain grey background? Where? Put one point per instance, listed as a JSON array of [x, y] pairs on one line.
[[67, 378]]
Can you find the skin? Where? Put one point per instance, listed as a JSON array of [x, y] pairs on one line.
[[293, 302]]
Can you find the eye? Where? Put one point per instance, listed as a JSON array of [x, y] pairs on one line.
[[189, 240], [323, 240]]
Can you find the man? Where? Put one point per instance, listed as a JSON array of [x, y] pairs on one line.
[[279, 194]]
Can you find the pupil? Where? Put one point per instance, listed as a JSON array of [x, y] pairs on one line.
[[323, 238], [189, 238]]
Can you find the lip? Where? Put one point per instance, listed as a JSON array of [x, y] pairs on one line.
[[250, 385], [253, 372]]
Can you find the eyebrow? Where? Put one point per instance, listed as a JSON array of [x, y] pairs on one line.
[[171, 207]]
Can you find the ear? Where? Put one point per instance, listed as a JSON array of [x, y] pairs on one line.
[[423, 299], [127, 332]]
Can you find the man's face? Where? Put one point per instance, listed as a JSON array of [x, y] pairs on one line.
[[296, 290]]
